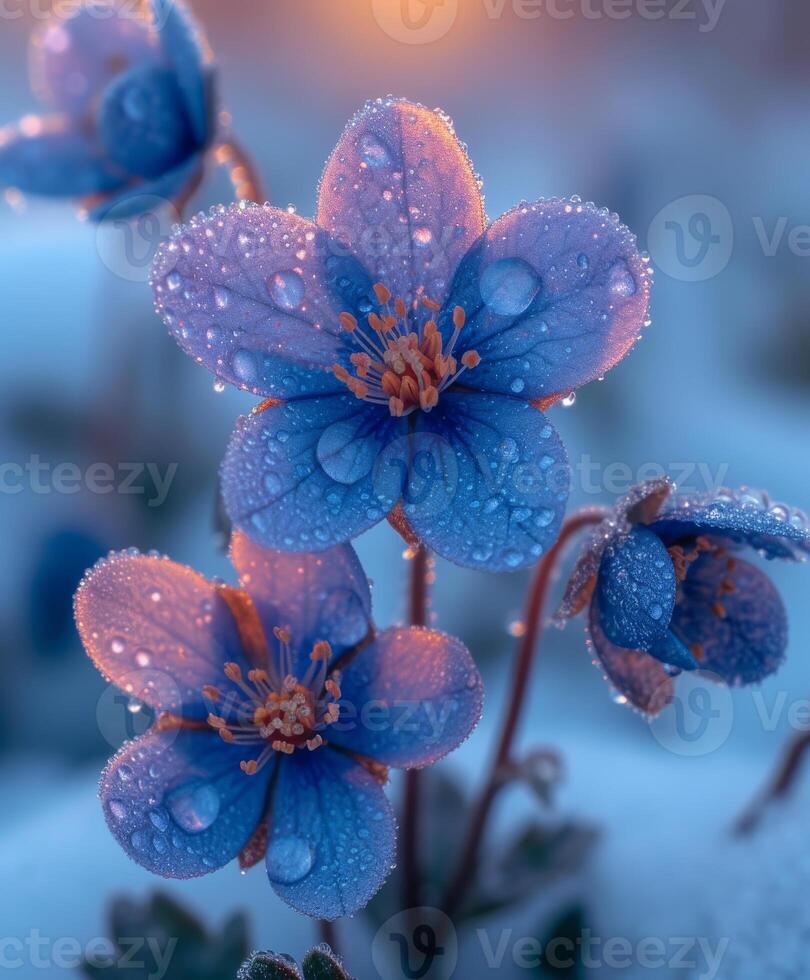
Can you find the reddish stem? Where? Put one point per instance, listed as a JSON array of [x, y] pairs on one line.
[[418, 615], [328, 934], [781, 783], [468, 863], [244, 176]]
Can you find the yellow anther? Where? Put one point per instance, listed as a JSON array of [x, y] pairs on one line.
[[390, 384], [284, 747]]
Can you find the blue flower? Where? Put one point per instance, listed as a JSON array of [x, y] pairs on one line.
[[404, 346], [667, 590], [131, 95], [278, 711]]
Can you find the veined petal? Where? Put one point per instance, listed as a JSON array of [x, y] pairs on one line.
[[322, 596], [400, 190], [76, 54], [409, 698], [50, 156], [741, 517], [636, 589], [255, 295], [151, 194], [158, 630], [188, 53], [486, 480], [555, 294], [733, 619], [332, 835], [302, 476], [639, 679], [179, 804]]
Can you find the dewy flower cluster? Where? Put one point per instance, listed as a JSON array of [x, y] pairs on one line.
[[406, 352]]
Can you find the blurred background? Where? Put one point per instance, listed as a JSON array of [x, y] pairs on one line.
[[691, 120]]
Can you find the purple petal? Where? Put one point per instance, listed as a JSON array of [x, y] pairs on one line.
[[636, 590], [332, 835], [321, 596], [158, 630], [76, 55], [741, 517], [409, 698], [555, 294], [179, 804], [48, 156], [255, 295], [488, 480], [302, 476], [640, 679], [187, 51], [151, 195], [400, 190], [731, 612]]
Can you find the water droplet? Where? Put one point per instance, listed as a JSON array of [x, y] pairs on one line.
[[219, 387], [656, 611], [570, 400], [423, 236], [287, 289], [621, 280], [509, 286], [117, 645], [374, 151], [517, 385], [117, 809], [289, 859], [343, 456], [222, 296], [244, 366], [583, 261], [194, 806], [173, 282]]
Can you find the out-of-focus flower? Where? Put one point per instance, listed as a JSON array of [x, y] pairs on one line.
[[281, 710], [320, 963], [405, 346], [667, 591], [131, 91]]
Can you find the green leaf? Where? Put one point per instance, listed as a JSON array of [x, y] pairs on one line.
[[321, 963], [269, 966]]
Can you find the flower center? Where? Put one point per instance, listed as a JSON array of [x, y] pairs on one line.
[[273, 710], [401, 363]]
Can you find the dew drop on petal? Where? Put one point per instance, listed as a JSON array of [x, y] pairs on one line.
[[194, 806], [508, 286], [621, 280], [287, 289], [374, 151], [289, 859]]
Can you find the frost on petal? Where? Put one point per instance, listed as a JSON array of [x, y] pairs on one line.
[[400, 190], [409, 698], [255, 295], [332, 835], [740, 517], [486, 480], [76, 54], [49, 156], [556, 293], [189, 56], [636, 590], [322, 596], [639, 679], [302, 476], [733, 619], [178, 803], [157, 629]]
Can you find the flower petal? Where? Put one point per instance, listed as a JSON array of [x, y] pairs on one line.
[[255, 295], [640, 679], [179, 804], [76, 54], [332, 835], [742, 517], [49, 157], [636, 589], [157, 629], [321, 596], [187, 51], [555, 293], [400, 190], [409, 698], [301, 476], [487, 480], [732, 615], [150, 195]]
